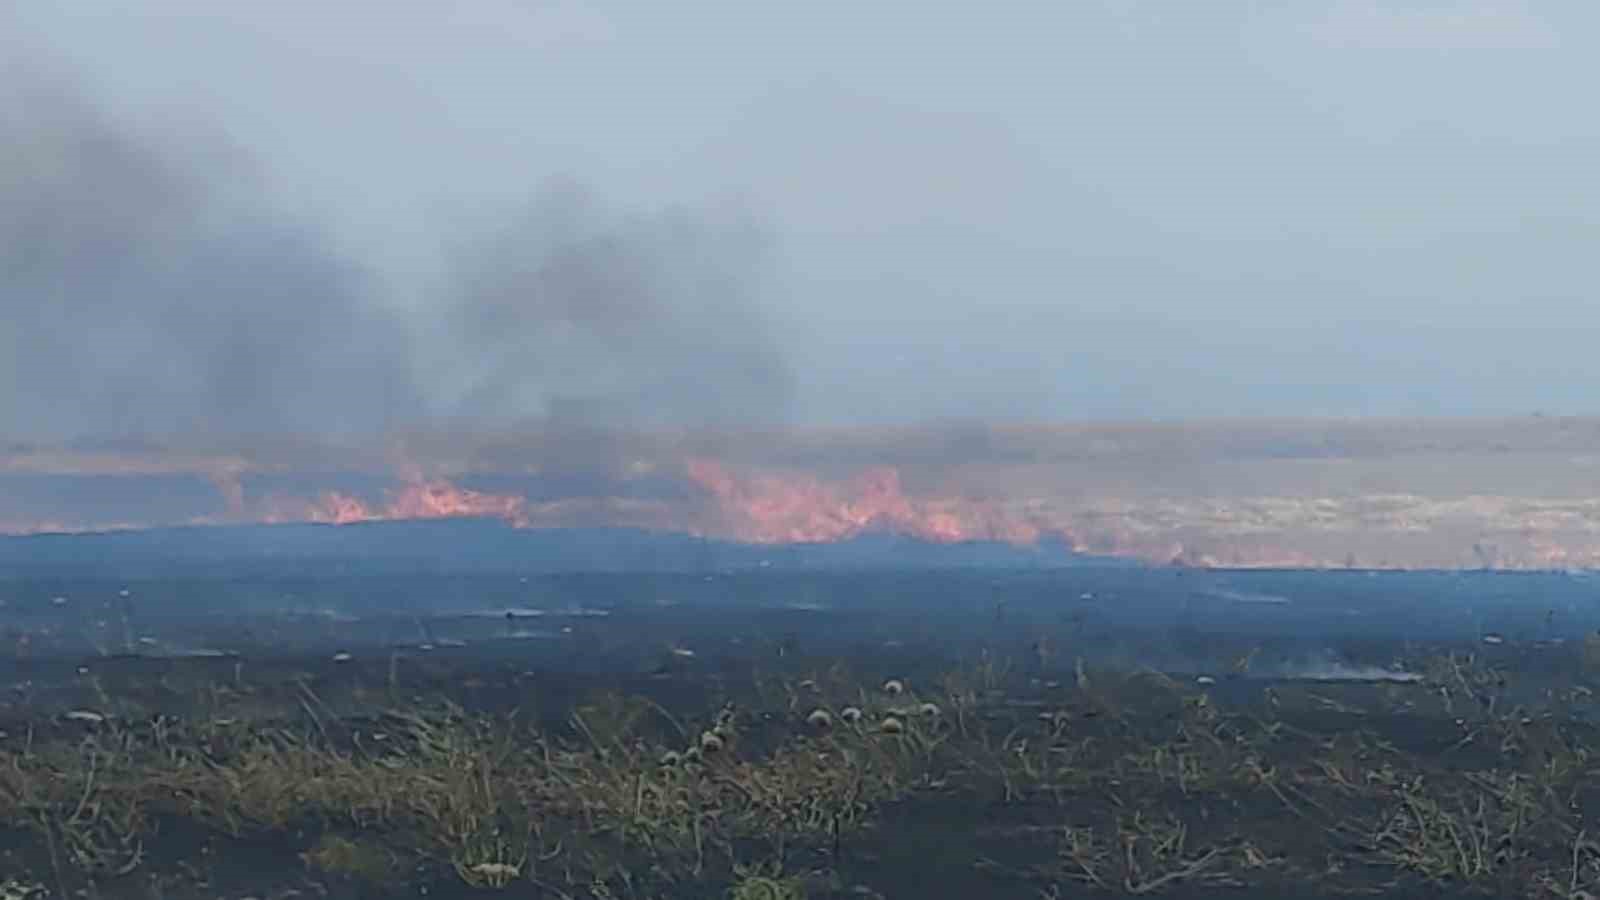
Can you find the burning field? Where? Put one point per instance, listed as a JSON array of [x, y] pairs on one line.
[[156, 286], [1503, 494]]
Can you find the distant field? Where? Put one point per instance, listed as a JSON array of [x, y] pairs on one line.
[[1503, 493]]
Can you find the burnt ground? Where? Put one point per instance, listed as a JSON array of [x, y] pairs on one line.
[[1069, 734]]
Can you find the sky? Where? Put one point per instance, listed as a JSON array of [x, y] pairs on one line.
[[342, 218]]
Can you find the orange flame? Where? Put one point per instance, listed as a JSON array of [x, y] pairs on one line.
[[417, 499], [774, 508], [759, 504]]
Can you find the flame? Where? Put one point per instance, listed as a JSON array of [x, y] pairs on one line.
[[722, 493], [440, 499], [791, 507], [418, 498]]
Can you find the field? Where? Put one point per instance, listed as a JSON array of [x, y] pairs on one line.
[[1066, 734], [1372, 494]]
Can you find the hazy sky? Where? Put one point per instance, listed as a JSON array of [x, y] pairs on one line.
[[1042, 210]]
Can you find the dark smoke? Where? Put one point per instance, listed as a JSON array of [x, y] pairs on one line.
[[150, 290]]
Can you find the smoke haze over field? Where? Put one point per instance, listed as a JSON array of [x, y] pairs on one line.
[[152, 290], [282, 219], [579, 321], [145, 293]]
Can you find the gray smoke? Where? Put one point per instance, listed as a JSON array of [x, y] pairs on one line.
[[578, 317], [149, 288]]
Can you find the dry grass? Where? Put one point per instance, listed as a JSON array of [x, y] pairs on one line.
[[1120, 783]]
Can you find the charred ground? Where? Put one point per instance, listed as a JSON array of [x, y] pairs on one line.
[[989, 733]]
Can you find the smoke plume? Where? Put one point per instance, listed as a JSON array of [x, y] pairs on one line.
[[570, 315], [151, 290]]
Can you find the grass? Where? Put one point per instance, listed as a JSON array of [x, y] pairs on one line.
[[1096, 783]]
